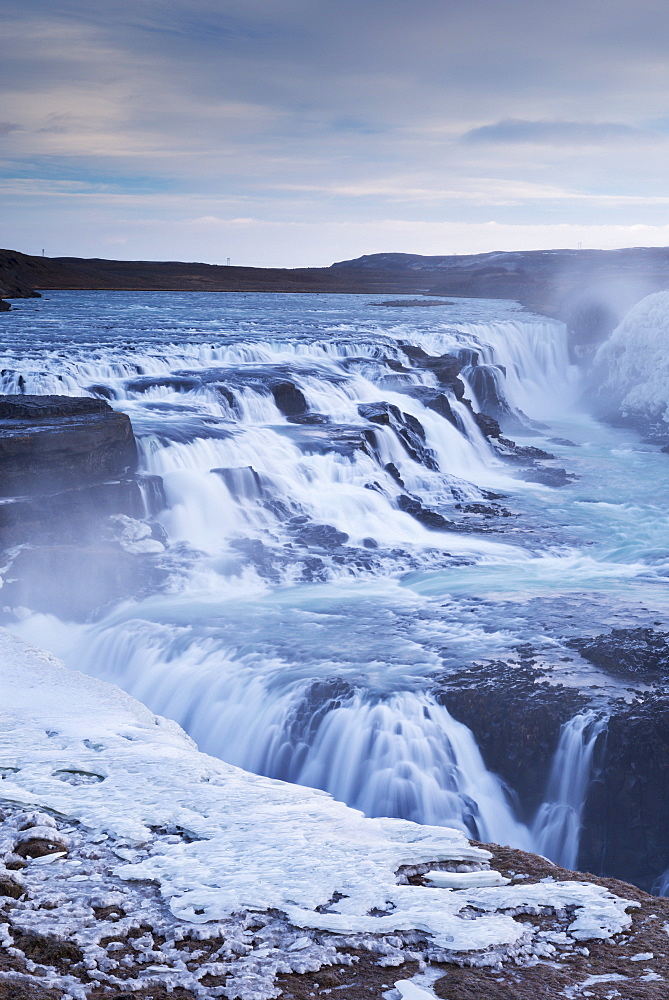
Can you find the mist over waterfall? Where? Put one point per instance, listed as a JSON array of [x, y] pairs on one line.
[[370, 520]]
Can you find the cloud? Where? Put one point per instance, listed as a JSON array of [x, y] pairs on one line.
[[549, 133], [313, 111]]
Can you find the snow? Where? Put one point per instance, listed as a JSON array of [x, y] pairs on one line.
[[409, 991], [221, 843], [465, 880]]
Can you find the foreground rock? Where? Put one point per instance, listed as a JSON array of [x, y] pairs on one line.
[[134, 866]]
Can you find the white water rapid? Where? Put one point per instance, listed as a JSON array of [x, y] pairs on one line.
[[342, 537]]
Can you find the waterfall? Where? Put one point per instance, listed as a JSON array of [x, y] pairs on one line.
[[557, 827], [386, 753], [280, 637], [661, 884]]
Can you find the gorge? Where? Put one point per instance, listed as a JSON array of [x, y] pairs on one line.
[[389, 552]]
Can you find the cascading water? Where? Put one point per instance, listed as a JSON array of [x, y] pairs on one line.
[[557, 827], [329, 562]]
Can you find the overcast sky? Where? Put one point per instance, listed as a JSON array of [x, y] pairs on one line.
[[300, 132]]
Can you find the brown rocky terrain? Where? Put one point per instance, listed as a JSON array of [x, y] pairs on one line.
[[43, 923]]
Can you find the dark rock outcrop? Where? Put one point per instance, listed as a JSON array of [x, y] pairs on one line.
[[626, 817], [71, 509], [488, 426], [322, 536], [444, 367], [289, 399], [56, 442], [430, 518], [486, 383], [74, 515], [638, 653], [516, 715], [321, 437], [516, 720]]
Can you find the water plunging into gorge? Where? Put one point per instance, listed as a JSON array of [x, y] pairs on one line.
[[343, 537]]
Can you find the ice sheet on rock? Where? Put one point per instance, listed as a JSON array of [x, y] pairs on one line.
[[465, 880], [632, 364], [243, 842], [409, 991]]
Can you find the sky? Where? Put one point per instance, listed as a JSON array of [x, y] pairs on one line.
[[300, 132]]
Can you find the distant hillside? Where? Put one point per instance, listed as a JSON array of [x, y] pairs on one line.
[[589, 289]]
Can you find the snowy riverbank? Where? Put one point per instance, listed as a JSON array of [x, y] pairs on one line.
[[146, 865]]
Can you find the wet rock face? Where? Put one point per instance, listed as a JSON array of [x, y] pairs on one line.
[[515, 719], [430, 518], [486, 381], [73, 516], [55, 442], [43, 407], [626, 818], [488, 426], [289, 399], [445, 367], [640, 653]]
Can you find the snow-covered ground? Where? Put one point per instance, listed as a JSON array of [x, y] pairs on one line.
[[129, 834]]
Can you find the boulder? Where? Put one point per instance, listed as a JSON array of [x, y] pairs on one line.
[[289, 399]]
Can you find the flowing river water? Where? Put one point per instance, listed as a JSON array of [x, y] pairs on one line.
[[303, 611]]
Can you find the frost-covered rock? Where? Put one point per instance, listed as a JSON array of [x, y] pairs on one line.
[[632, 367]]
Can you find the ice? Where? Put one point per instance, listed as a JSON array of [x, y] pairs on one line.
[[633, 363], [465, 880], [409, 991]]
